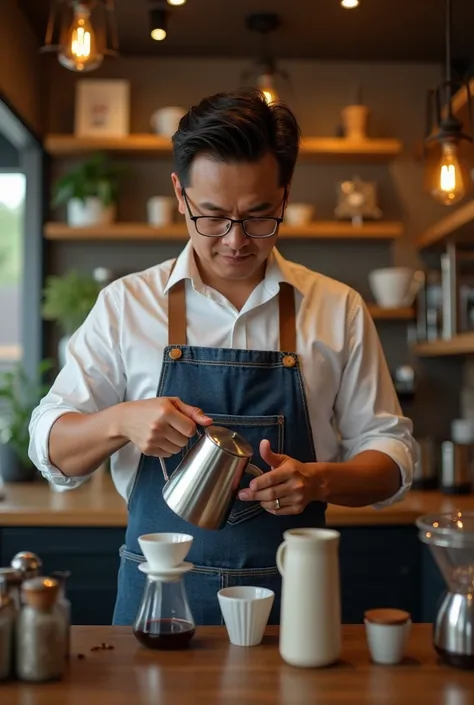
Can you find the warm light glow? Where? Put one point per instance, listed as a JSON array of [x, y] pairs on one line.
[[176, 3], [158, 34], [349, 4], [78, 52], [449, 185], [265, 84]]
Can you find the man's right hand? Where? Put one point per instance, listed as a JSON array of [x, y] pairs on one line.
[[161, 426]]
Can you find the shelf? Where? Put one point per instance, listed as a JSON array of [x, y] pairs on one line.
[[323, 149], [338, 149], [332, 230], [462, 344], [406, 313], [449, 226]]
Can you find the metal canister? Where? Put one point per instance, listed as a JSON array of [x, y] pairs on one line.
[[7, 625], [456, 468], [425, 475]]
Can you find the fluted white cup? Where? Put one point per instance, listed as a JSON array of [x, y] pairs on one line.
[[246, 611]]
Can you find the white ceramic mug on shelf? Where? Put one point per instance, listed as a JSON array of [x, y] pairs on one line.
[[165, 121], [393, 287], [160, 210]]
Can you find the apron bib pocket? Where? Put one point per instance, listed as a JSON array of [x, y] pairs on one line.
[[254, 429]]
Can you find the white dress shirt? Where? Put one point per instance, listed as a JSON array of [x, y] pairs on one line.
[[116, 356]]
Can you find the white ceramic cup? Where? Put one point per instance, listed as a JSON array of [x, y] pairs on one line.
[[298, 213], [246, 611], [165, 550], [387, 642], [165, 121], [160, 210], [393, 287]]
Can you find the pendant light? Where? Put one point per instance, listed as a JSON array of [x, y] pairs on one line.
[[82, 33], [265, 74], [449, 178]]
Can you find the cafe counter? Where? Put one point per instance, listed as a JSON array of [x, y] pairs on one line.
[[213, 672]]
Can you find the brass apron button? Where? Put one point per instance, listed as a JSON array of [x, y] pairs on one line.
[[289, 361], [175, 353]]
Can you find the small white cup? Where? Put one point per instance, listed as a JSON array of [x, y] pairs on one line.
[[165, 121], [160, 210], [246, 611], [298, 213], [387, 634], [165, 550]]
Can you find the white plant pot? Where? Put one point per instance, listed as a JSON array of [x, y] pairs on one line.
[[91, 211], [62, 347]]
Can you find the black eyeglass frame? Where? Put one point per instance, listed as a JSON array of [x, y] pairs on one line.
[[241, 221]]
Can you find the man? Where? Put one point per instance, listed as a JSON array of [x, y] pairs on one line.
[[211, 337]]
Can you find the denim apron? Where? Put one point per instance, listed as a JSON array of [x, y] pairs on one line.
[[259, 394]]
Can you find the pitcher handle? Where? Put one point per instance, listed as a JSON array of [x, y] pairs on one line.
[[280, 557], [162, 462], [254, 470]]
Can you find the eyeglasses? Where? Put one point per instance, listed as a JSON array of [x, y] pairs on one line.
[[217, 226]]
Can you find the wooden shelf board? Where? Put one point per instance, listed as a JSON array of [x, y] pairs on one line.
[[405, 313], [141, 231], [448, 226], [462, 344], [68, 145], [312, 148], [342, 149]]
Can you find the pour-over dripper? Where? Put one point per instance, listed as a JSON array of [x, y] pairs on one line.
[[451, 541]]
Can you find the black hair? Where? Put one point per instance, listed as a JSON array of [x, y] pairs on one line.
[[237, 127]]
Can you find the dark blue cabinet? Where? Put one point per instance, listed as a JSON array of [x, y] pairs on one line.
[[381, 566]]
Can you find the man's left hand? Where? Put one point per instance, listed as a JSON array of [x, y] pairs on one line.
[[292, 483]]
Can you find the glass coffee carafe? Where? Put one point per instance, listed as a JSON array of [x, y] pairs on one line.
[[451, 541], [164, 619]]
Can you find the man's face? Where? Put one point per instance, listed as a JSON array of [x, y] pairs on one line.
[[240, 190]]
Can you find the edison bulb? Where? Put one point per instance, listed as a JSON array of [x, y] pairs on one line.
[[265, 84], [349, 4], [449, 185], [79, 46], [176, 3], [158, 34]]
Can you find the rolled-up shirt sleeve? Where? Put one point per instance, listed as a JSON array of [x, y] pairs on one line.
[[368, 414], [92, 379]]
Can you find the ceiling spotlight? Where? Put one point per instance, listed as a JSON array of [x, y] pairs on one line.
[[176, 3], [349, 4], [158, 24]]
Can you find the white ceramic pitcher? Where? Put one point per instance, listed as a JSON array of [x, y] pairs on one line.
[[310, 622]]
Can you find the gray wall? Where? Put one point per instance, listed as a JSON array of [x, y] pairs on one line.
[[396, 96]]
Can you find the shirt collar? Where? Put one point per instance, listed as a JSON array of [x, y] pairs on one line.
[[278, 270]]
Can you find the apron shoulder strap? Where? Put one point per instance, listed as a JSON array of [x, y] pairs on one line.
[[177, 312], [286, 303]]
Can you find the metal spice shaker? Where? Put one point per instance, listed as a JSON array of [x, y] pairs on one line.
[[40, 632], [7, 623], [14, 580], [64, 604], [28, 564]]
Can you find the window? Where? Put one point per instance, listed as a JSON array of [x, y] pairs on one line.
[[12, 206]]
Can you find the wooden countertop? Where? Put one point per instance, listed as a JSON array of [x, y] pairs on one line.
[[97, 503], [212, 672]]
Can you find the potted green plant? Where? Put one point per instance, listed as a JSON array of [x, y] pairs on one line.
[[89, 192], [19, 395], [67, 301]]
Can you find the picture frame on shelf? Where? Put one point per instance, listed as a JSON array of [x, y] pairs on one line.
[[102, 108]]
